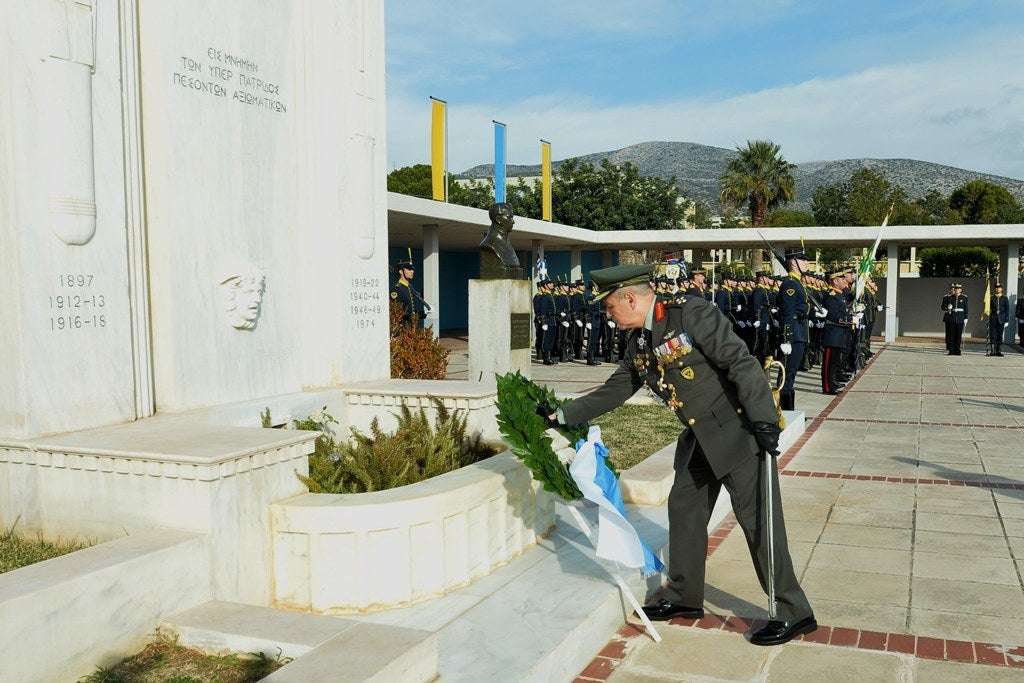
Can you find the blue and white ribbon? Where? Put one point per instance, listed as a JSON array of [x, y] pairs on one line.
[[617, 540]]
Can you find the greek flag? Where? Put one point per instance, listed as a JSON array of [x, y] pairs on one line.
[[542, 269], [616, 538]]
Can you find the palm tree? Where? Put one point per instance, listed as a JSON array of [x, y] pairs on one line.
[[760, 178]]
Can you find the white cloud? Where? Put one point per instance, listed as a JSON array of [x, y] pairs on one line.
[[964, 110]]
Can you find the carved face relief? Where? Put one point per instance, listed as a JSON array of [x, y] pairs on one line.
[[243, 296]]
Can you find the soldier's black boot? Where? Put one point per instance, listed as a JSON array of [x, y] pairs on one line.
[[663, 610], [779, 632]]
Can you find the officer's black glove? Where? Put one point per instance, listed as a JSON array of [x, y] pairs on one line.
[[549, 414], [767, 436]]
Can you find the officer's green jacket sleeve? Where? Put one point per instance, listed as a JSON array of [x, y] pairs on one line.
[[613, 393], [713, 335]]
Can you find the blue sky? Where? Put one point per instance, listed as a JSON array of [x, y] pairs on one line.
[[941, 80]]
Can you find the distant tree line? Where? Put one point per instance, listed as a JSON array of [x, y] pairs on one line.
[[604, 197]]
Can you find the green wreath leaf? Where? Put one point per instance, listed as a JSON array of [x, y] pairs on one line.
[[524, 432]]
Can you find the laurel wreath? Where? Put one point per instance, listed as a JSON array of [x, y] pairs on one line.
[[524, 431]]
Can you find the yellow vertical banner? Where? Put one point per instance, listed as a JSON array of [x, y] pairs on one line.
[[545, 180], [439, 149]]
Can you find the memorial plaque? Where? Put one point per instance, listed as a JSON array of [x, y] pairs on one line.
[[520, 331]]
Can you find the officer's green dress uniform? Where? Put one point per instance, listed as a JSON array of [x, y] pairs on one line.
[[692, 359]]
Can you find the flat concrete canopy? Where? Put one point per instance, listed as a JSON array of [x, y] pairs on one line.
[[461, 227]]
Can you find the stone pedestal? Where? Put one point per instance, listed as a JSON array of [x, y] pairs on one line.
[[500, 321]]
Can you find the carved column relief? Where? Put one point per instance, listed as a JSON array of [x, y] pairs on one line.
[[70, 63]]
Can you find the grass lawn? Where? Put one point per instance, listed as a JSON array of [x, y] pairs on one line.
[[164, 661], [18, 551], [633, 432]]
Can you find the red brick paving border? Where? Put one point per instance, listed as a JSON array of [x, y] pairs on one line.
[[905, 480], [928, 393], [923, 647], [923, 423]]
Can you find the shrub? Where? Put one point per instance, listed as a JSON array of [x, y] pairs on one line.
[[415, 353], [415, 451], [958, 261]]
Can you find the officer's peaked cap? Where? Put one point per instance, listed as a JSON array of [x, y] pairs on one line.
[[607, 280]]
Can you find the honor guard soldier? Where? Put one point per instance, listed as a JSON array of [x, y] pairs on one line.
[[946, 306], [544, 310], [954, 316], [836, 336], [760, 311], [793, 322], [593, 326], [405, 296], [687, 353], [998, 319], [1019, 314], [562, 347], [723, 297], [578, 313], [698, 284]]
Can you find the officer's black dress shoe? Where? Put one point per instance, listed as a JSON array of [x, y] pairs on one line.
[[593, 362], [779, 632], [663, 610]]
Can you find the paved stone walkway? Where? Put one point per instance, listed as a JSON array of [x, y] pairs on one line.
[[904, 503]]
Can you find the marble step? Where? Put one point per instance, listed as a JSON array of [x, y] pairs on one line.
[[323, 648], [540, 618]]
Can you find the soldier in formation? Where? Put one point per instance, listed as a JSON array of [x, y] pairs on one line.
[[1019, 314], [954, 315], [998, 319], [837, 336], [545, 321]]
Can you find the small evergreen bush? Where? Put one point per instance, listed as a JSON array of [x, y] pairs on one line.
[[416, 450]]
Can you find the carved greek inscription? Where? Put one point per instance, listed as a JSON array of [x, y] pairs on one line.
[[228, 76]]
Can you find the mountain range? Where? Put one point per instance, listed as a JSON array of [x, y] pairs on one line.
[[697, 169]]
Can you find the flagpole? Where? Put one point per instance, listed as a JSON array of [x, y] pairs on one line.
[[637, 607]]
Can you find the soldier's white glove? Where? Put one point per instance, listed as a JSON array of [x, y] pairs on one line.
[[757, 323], [949, 308], [739, 308], [786, 348], [820, 313], [562, 314], [857, 317], [579, 323], [879, 307], [544, 327], [589, 326], [775, 310], [1020, 321], [565, 324], [611, 323], [1005, 324]]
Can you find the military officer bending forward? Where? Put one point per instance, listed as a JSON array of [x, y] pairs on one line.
[[688, 354]]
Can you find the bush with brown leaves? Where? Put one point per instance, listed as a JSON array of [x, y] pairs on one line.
[[415, 353]]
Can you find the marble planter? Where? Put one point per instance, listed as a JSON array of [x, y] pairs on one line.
[[369, 551]]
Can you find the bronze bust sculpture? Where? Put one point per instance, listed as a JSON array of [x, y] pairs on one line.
[[498, 258]]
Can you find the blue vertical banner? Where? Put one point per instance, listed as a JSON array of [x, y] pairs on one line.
[[500, 141]]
